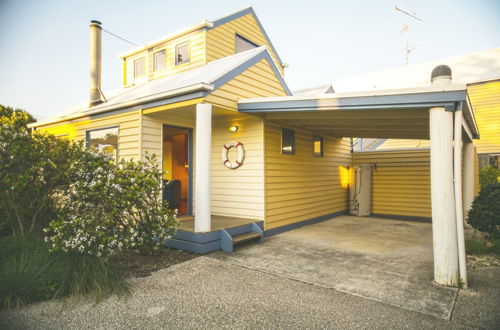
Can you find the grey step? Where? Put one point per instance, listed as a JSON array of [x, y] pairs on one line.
[[245, 237]]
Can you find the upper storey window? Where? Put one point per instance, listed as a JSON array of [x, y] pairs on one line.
[[139, 68], [243, 44], [159, 60], [182, 53]]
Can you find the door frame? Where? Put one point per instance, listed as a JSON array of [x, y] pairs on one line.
[[190, 161]]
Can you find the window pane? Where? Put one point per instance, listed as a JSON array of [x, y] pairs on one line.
[[104, 140], [139, 68], [159, 60], [287, 141], [182, 53], [318, 146], [243, 44]]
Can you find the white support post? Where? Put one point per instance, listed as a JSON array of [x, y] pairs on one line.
[[468, 177], [444, 227], [202, 218], [459, 215]]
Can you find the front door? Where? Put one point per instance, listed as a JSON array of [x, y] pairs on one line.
[[176, 168]]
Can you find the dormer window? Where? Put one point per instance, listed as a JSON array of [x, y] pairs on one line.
[[159, 60], [139, 68], [182, 53], [243, 44]]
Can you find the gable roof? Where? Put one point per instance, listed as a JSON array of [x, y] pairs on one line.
[[205, 24], [194, 83], [469, 68]]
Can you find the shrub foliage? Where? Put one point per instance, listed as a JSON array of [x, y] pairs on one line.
[[485, 212], [488, 175]]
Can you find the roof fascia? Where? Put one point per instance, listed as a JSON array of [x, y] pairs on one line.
[[447, 99], [152, 101]]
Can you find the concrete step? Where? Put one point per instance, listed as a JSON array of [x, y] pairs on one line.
[[245, 237]]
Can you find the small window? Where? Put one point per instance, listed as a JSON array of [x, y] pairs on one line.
[[139, 68], [287, 141], [159, 60], [317, 146], [243, 44], [104, 140], [182, 53], [489, 160]]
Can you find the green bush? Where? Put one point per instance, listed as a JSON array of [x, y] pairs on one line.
[[488, 175], [111, 207], [485, 212], [476, 247], [29, 273]]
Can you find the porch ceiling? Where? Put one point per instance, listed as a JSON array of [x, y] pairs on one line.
[[402, 113]]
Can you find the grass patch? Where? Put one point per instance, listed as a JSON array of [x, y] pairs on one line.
[[29, 273], [478, 247]]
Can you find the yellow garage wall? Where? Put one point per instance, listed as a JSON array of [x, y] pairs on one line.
[[257, 81], [196, 40], [300, 186], [238, 192], [221, 40], [400, 182], [128, 124], [485, 100]]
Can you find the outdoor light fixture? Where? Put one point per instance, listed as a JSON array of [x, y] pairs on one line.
[[233, 129]]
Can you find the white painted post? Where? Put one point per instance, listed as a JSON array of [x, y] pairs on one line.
[[202, 219], [444, 227], [459, 215], [468, 177]]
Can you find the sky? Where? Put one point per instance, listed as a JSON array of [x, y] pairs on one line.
[[44, 44]]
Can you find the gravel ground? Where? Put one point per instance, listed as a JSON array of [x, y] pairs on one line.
[[207, 293], [482, 261]]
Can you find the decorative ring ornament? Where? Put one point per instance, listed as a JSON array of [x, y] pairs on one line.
[[241, 154]]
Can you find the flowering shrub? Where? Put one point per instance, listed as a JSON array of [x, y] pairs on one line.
[[110, 207]]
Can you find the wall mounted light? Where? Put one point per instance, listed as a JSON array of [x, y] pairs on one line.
[[233, 129]]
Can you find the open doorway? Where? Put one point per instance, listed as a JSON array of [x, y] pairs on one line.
[[176, 168]]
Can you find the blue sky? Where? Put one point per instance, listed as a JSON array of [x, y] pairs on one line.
[[44, 44]]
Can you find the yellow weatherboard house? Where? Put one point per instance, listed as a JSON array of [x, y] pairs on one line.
[[244, 158]]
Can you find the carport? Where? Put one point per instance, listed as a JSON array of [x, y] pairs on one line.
[[440, 113]]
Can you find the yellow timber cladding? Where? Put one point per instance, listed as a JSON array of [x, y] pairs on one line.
[[221, 39], [400, 182], [300, 186], [128, 130]]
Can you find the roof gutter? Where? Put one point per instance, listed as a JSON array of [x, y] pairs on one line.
[[152, 98]]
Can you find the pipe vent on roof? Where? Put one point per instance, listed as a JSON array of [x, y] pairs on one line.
[[95, 62], [441, 75]]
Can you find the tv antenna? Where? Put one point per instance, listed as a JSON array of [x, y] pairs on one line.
[[404, 31]]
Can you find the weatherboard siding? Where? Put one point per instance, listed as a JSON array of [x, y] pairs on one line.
[[128, 130], [485, 100], [300, 186], [221, 41], [197, 58], [257, 81], [400, 182], [238, 192]]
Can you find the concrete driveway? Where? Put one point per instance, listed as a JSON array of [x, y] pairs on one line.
[[385, 260]]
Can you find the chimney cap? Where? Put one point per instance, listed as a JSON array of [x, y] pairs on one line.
[[94, 21], [441, 71]]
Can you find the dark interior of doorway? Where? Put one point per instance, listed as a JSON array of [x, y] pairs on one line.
[[176, 168]]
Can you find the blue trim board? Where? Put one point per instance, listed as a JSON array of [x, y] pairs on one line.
[[401, 217], [279, 230]]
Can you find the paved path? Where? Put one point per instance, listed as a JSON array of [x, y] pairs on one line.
[[206, 293]]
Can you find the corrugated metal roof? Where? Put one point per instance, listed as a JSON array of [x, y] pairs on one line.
[[200, 78], [323, 89], [469, 68]]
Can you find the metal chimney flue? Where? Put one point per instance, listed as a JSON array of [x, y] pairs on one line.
[[441, 76], [95, 62]]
